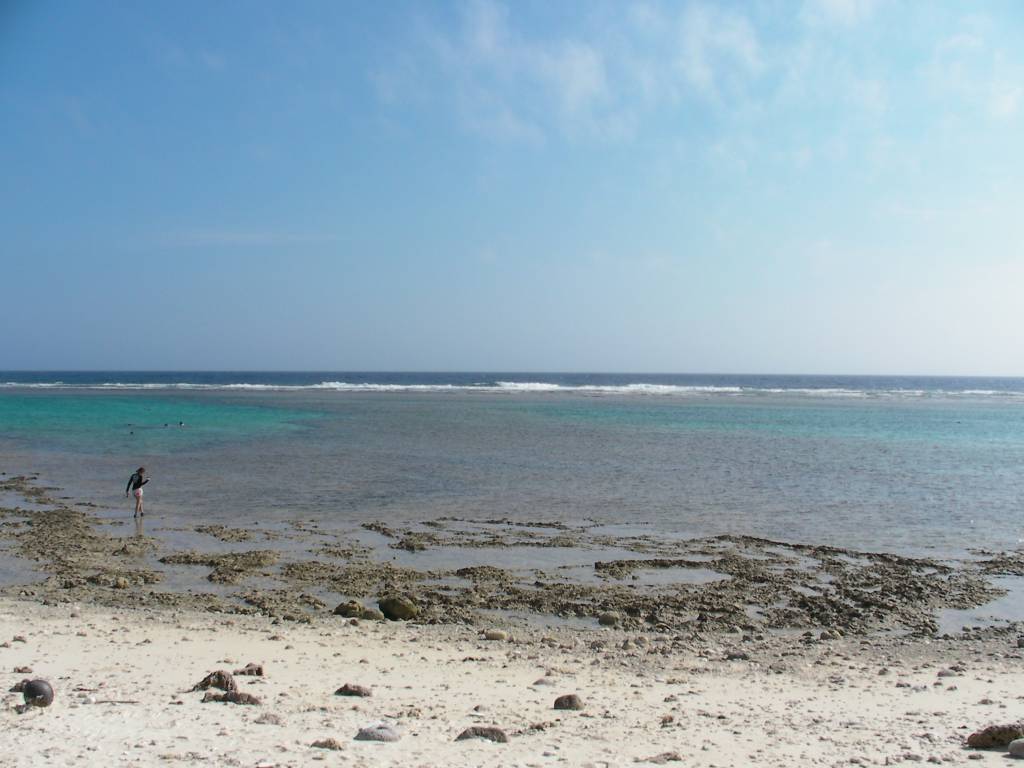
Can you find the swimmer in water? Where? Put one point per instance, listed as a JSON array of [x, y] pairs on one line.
[[135, 483]]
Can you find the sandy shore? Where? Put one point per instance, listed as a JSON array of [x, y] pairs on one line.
[[122, 680]]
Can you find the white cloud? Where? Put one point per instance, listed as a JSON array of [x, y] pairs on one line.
[[710, 40], [970, 69], [576, 72], [840, 12], [614, 70], [870, 95], [594, 82], [1005, 99]]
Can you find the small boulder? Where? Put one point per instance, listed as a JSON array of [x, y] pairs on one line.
[[495, 634], [487, 732], [251, 669], [348, 689], [371, 614], [609, 619], [378, 732], [1016, 748], [398, 608], [996, 736], [569, 701]]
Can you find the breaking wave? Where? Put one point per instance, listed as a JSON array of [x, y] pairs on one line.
[[638, 388]]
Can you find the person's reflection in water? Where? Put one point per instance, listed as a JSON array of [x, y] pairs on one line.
[[139, 532]]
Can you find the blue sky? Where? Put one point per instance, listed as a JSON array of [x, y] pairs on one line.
[[829, 186]]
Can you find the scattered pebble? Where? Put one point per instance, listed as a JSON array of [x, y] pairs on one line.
[[487, 732], [569, 701], [348, 689], [37, 693], [231, 697], [996, 736], [398, 608], [327, 744], [219, 679], [378, 732], [664, 757]]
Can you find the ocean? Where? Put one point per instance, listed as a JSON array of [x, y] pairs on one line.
[[915, 465]]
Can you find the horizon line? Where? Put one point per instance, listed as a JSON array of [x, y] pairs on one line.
[[499, 371]]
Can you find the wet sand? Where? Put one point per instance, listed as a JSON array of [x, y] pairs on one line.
[[724, 650]]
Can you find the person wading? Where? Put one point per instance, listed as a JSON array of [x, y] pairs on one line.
[[135, 483]]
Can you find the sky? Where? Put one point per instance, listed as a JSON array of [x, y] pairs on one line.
[[831, 186]]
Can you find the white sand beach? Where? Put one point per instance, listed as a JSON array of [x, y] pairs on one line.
[[122, 681]]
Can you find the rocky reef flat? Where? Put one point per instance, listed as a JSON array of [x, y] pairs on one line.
[[479, 572]]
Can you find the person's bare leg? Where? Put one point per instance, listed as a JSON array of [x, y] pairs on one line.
[[141, 513], [138, 506]]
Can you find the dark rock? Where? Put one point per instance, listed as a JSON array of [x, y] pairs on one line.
[[379, 732], [37, 693], [398, 608], [1016, 748], [268, 718], [23, 670], [371, 614], [569, 701], [487, 732], [348, 689], [219, 679], [251, 669], [996, 736], [609, 619]]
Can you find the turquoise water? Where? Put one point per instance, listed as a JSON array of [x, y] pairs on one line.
[[111, 424], [917, 466]]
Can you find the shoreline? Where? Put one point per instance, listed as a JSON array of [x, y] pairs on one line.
[[808, 684]]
